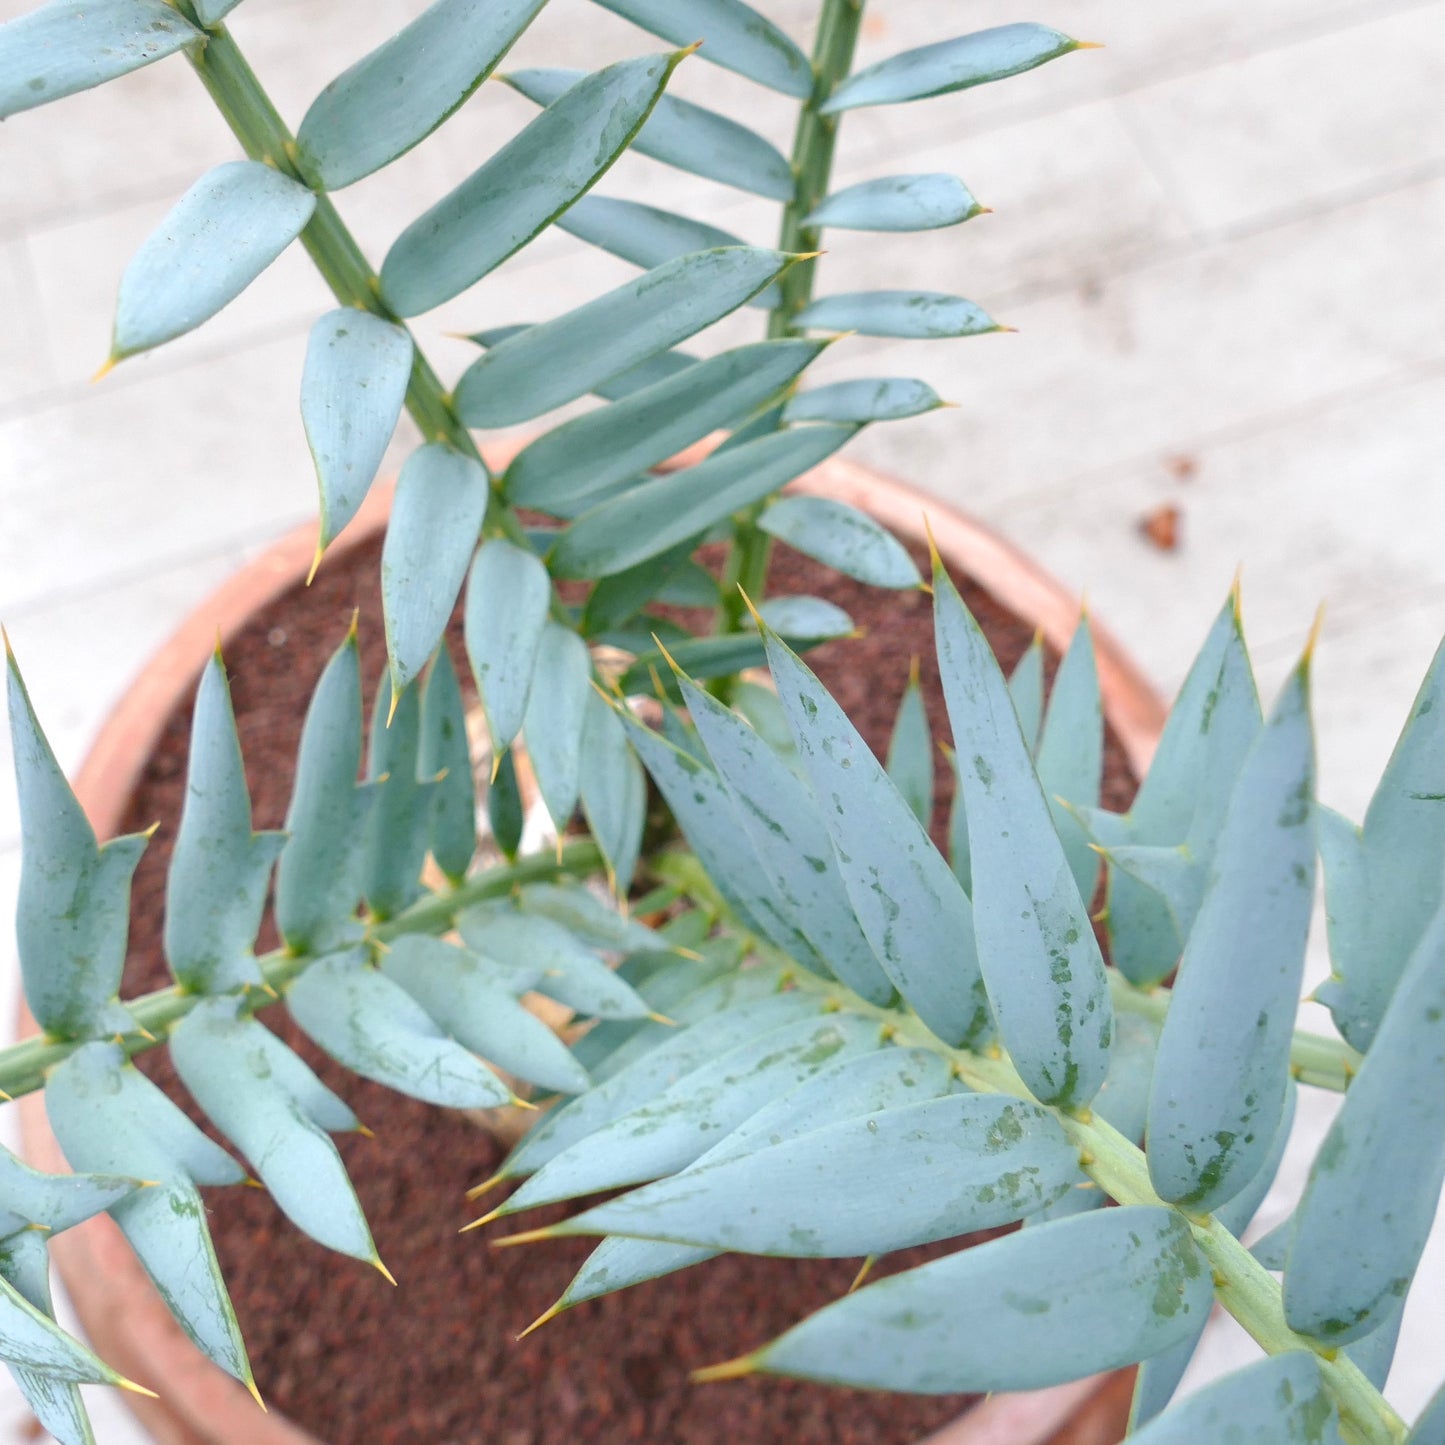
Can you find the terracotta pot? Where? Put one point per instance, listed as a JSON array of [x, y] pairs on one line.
[[118, 1307]]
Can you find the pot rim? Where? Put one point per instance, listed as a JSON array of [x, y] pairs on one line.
[[120, 1310]]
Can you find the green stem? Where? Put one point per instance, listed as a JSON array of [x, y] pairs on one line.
[[23, 1066], [1119, 1167], [1314, 1059], [813, 145], [265, 137]]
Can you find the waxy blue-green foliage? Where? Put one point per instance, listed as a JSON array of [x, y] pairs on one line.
[[764, 1103], [352, 390], [842, 1040]]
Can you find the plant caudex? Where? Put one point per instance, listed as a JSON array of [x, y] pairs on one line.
[[840, 1041]]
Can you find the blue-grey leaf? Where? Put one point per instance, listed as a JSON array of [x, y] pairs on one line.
[[910, 315], [843, 537], [760, 706], [671, 1130], [56, 1403], [1159, 1376], [1375, 1183], [109, 1117], [897, 203], [276, 1111], [1279, 1401], [1382, 881], [1213, 724], [456, 989], [1182, 799], [1123, 1101], [1224, 1054], [1172, 876], [436, 518], [1374, 1353], [1026, 687], [690, 137], [949, 65], [595, 452], [505, 816], [352, 389], [1036, 945], [729, 1013], [556, 711], [72, 916], [700, 802], [662, 367], [889, 398], [849, 1089], [682, 735], [583, 914], [619, 1262], [724, 655], [666, 982], [52, 1203], [780, 818], [43, 1357], [687, 994], [72, 45], [957, 1164], [804, 621], [617, 599], [398, 827], [959, 859], [523, 187], [557, 361], [508, 595], [216, 885], [1071, 753], [647, 236], [691, 585], [319, 876], [556, 962], [910, 907], [446, 760], [613, 792], [734, 35], [213, 243], [208, 12], [383, 105], [910, 752], [1272, 1250], [104, 1109], [662, 980], [658, 514], [372, 1025], [1061, 1301]]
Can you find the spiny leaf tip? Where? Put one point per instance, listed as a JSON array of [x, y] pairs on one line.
[[728, 1370], [546, 1317]]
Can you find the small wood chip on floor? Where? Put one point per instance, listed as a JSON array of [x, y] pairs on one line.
[[1161, 527]]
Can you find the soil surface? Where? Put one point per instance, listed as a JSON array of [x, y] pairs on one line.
[[436, 1361]]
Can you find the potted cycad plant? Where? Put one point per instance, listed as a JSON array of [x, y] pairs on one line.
[[838, 1041]]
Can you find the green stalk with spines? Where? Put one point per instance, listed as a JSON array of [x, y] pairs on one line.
[[264, 136], [1119, 1167], [1321, 1062], [23, 1066], [814, 141]]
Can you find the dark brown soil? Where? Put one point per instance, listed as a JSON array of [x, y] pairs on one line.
[[435, 1362]]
